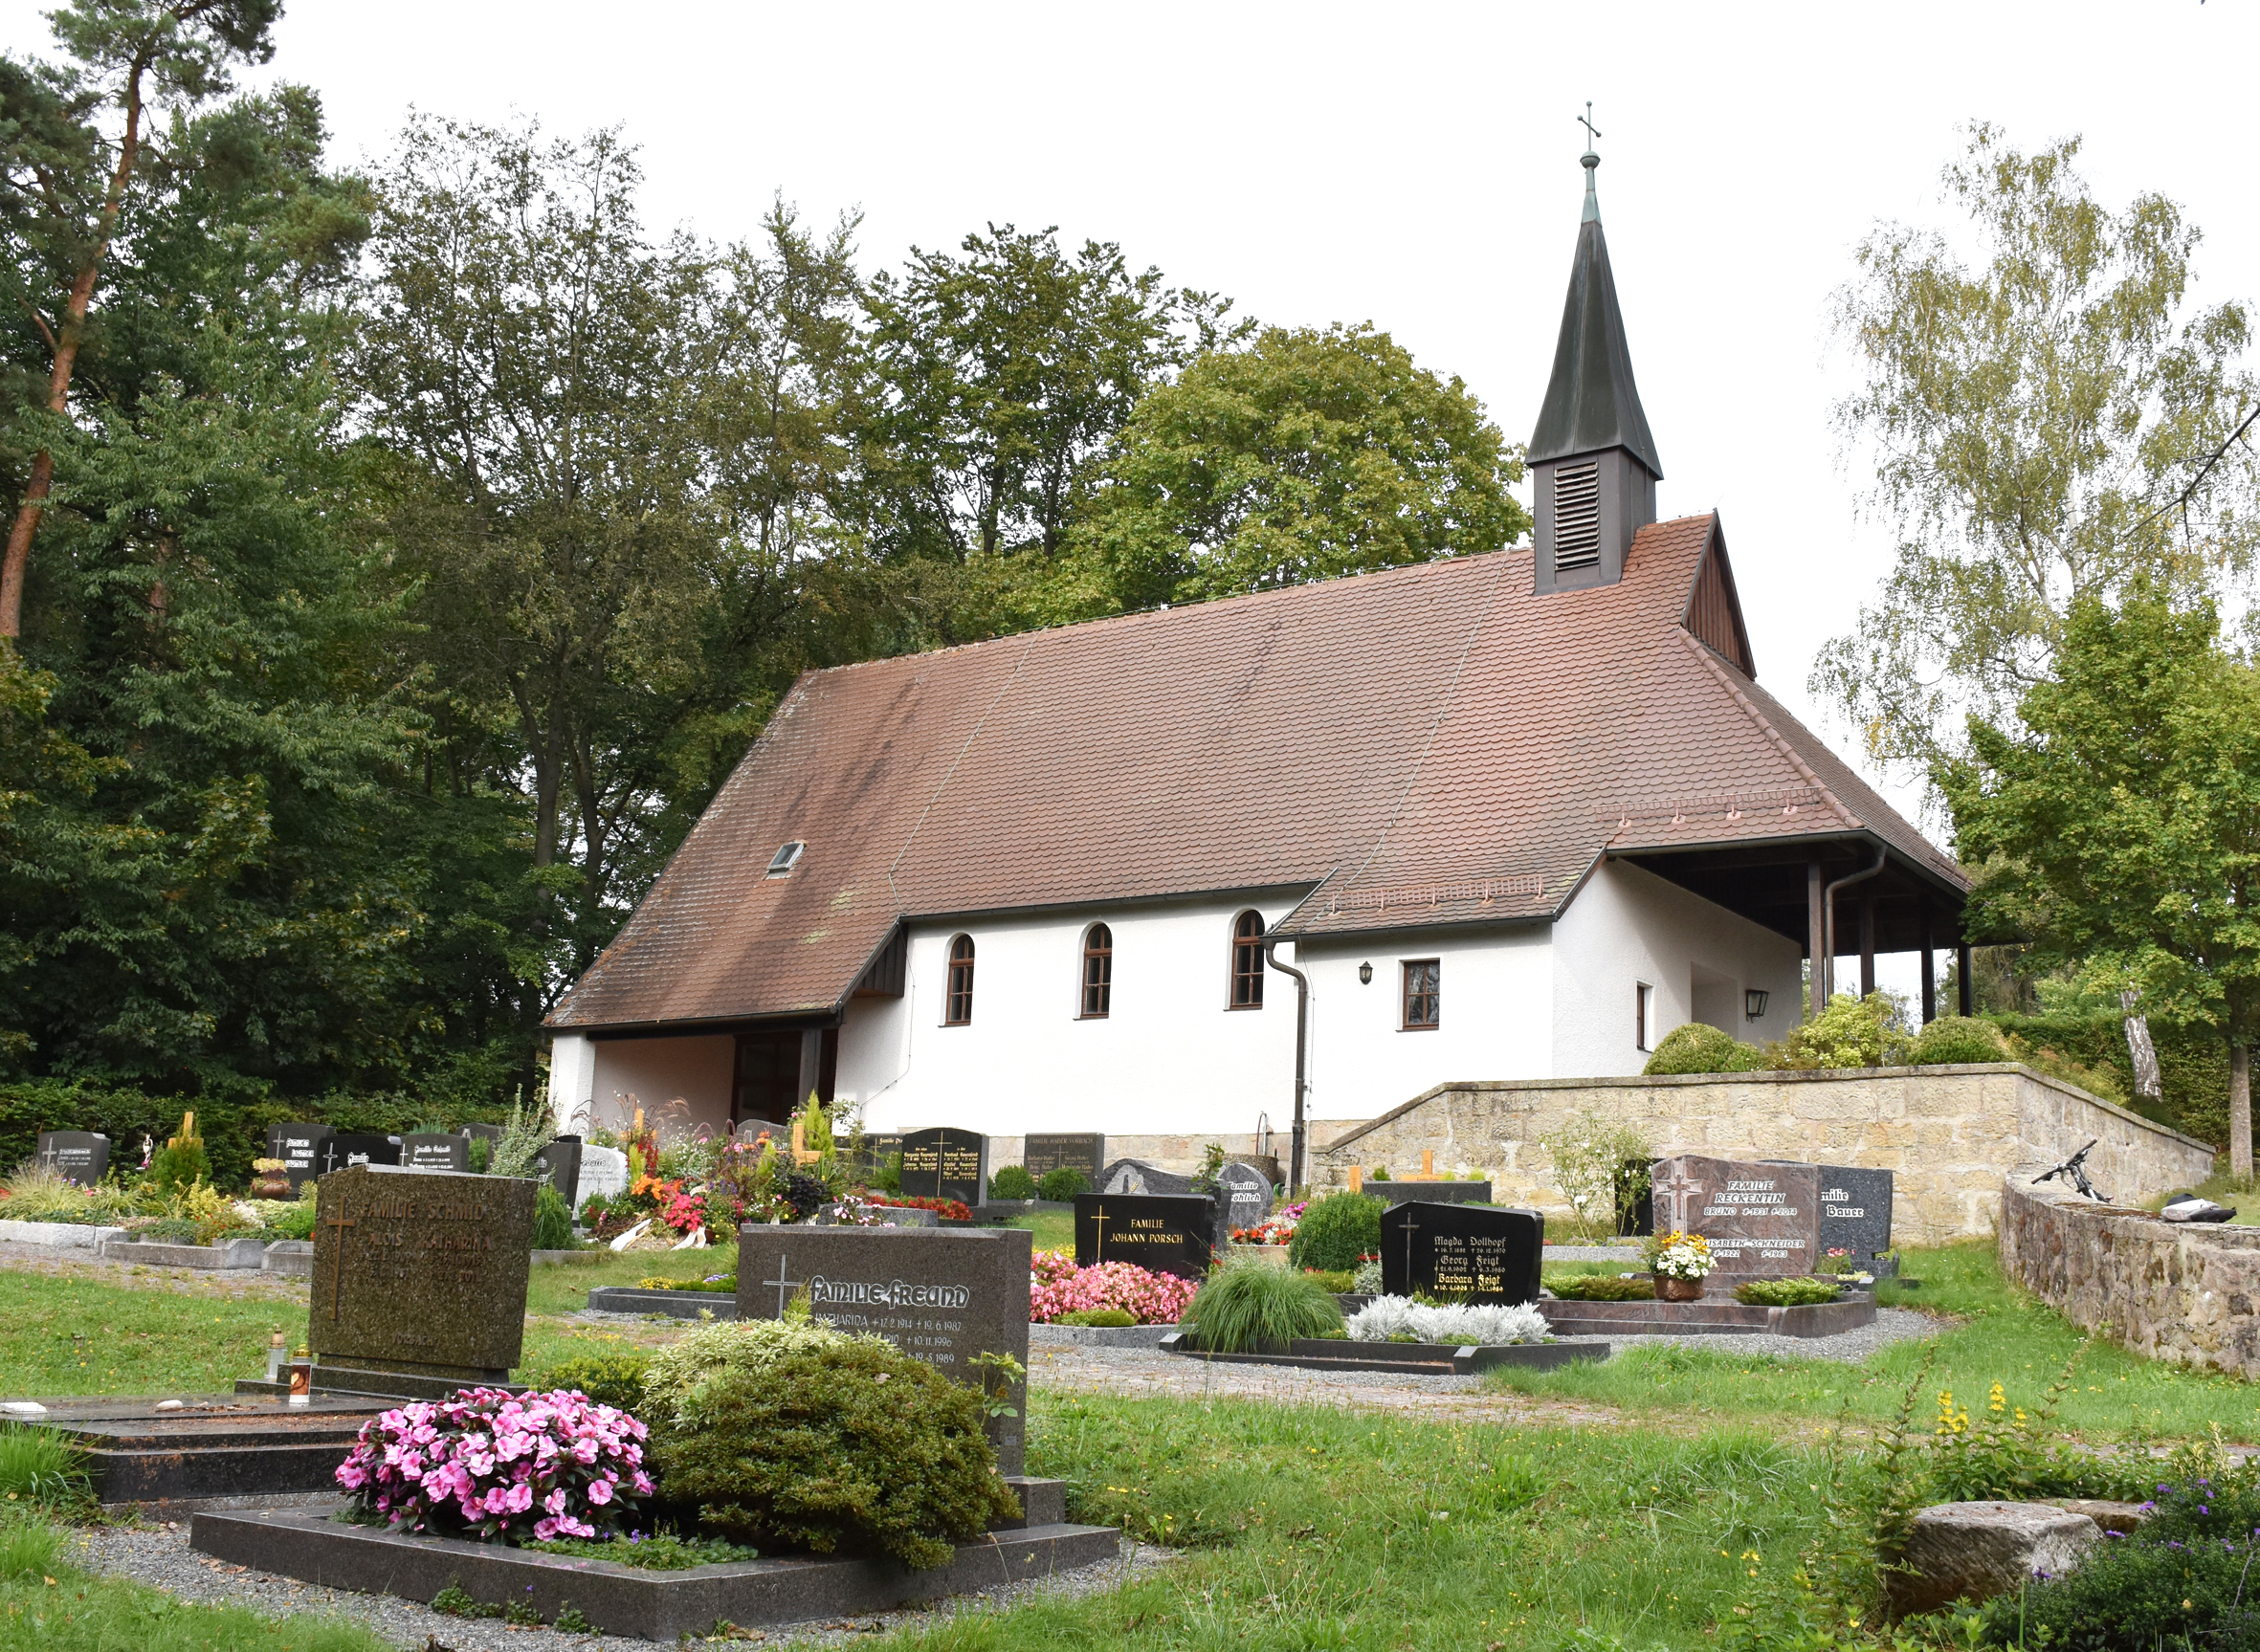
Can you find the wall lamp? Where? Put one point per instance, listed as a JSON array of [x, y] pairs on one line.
[[1754, 1002], [1366, 975]]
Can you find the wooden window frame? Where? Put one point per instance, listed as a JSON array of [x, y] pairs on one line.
[[1433, 992], [1643, 1013], [957, 998], [1095, 985], [1244, 984]]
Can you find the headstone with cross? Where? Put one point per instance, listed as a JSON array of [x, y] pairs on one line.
[[300, 1148], [1461, 1252], [1761, 1219], [1677, 1195], [947, 1296], [1164, 1233], [945, 1163], [419, 1280], [79, 1157]]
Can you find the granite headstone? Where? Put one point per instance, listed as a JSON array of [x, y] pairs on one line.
[[343, 1152], [419, 1282], [1462, 1251], [559, 1164], [1162, 1233], [1855, 1211], [946, 1297], [945, 1163], [604, 1170], [428, 1150], [1136, 1175], [1043, 1155], [300, 1148], [1244, 1193], [79, 1157], [875, 1152], [1762, 1219]]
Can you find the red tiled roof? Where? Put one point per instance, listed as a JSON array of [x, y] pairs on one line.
[[1429, 744]]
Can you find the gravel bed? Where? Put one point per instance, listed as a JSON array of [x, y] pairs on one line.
[[161, 1556], [1891, 1324]]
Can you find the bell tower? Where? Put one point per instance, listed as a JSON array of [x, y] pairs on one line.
[[1593, 463]]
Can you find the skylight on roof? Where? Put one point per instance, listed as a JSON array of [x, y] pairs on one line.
[[782, 863]]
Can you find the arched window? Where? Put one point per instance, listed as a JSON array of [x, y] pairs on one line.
[[1247, 960], [1099, 972], [958, 1011]]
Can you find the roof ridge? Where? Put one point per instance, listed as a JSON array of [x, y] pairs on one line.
[[1765, 727]]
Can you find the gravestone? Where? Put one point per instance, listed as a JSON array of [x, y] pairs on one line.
[[604, 1170], [945, 1163], [1136, 1175], [79, 1157], [300, 1148], [1043, 1155], [876, 1151], [1245, 1194], [490, 1133], [559, 1164], [1164, 1233], [343, 1152], [1761, 1219], [946, 1297], [1461, 1251], [1855, 1211], [427, 1150], [419, 1280]]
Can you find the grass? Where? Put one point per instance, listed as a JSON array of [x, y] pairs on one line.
[[1990, 1331], [564, 1290], [83, 1336], [1054, 1229]]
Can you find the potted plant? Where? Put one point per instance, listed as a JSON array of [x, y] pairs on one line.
[[1681, 1262]]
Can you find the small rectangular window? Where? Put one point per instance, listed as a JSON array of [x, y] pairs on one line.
[[1424, 994], [1643, 1014]]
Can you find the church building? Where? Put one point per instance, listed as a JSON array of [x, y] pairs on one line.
[[1508, 815]]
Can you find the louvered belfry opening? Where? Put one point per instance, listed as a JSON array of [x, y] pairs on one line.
[[1577, 516]]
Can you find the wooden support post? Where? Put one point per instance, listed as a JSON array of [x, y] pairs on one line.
[[1816, 946], [1867, 944], [1961, 973], [1930, 967]]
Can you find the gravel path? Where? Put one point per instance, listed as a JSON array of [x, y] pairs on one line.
[[1891, 1325], [161, 1556]]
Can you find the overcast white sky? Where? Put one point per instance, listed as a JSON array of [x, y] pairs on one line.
[[1414, 165]]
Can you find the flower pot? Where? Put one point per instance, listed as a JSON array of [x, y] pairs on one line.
[[1670, 1290]]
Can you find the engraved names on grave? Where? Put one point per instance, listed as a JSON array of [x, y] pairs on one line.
[[1461, 1251], [1760, 1219], [1043, 1155], [79, 1157], [945, 1163], [300, 1148], [1164, 1233]]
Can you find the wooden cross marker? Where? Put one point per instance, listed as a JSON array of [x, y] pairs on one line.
[[784, 1282], [337, 1224]]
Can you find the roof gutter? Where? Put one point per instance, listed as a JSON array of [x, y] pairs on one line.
[[1303, 1022], [1828, 920]]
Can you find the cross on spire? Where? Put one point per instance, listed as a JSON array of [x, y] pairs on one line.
[[1586, 121]]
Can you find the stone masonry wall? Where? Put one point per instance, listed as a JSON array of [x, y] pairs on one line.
[[2178, 1292], [1948, 1134]]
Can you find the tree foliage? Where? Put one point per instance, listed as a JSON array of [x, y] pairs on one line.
[[2035, 418]]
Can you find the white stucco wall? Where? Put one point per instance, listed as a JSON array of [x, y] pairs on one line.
[[1627, 926], [656, 1073], [1494, 1016], [1170, 1056], [572, 1077]]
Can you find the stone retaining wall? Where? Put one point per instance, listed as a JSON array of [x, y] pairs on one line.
[[1948, 1134], [2182, 1292]]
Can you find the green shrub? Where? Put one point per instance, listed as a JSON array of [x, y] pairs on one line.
[[1699, 1047], [1012, 1181], [1602, 1287], [1063, 1184], [1247, 1304], [1340, 1281], [1366, 1280], [1785, 1293], [1379, 1173], [181, 1164], [1336, 1231], [1852, 1032], [794, 1435], [1112, 1318], [890, 1176], [607, 1378], [294, 1219], [553, 1221], [1957, 1040]]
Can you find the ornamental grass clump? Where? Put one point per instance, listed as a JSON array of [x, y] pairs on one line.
[[1057, 1288], [490, 1465], [785, 1433], [1336, 1232], [1387, 1319], [1246, 1305]]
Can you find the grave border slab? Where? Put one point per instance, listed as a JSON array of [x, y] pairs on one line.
[[1417, 1359]]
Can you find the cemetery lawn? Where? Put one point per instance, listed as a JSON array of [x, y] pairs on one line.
[[1054, 1229], [1989, 1332], [78, 1333], [47, 1605]]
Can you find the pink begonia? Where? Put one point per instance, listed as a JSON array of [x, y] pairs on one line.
[[482, 1460], [1057, 1286]]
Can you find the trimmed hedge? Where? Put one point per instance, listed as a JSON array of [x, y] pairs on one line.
[[1696, 1047], [2192, 1062], [1336, 1231]]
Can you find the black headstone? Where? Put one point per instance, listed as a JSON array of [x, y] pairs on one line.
[[343, 1152], [1136, 1175], [945, 1163], [419, 1279], [78, 1155], [490, 1133], [1462, 1251], [1855, 1211], [1244, 1193], [1162, 1233], [300, 1148], [1043, 1155], [559, 1164], [876, 1151], [945, 1297], [422, 1150]]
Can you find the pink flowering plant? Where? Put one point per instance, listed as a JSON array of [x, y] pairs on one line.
[[1057, 1286], [490, 1465]]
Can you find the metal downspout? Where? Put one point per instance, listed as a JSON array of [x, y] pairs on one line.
[[1829, 917], [1302, 1021]]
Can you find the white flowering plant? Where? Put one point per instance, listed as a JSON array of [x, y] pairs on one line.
[[1680, 1256], [1445, 1322]]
